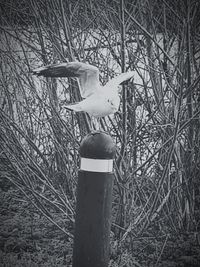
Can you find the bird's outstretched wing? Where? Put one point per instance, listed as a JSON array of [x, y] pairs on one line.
[[113, 83], [88, 75]]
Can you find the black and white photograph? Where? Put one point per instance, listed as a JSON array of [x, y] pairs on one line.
[[99, 133]]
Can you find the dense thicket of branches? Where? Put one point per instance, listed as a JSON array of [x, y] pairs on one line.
[[157, 130]]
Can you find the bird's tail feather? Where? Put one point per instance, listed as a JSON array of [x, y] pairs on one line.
[[74, 107]]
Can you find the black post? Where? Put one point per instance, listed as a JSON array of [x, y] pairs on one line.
[[94, 199]]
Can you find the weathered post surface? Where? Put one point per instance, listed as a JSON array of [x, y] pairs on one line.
[[94, 201]]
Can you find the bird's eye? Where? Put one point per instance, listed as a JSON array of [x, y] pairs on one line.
[[110, 102]]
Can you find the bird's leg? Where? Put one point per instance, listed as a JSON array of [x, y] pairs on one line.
[[98, 124], [95, 123]]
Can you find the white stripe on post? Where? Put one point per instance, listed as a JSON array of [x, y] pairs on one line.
[[96, 165]]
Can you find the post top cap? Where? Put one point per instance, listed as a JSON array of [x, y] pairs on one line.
[[97, 145]]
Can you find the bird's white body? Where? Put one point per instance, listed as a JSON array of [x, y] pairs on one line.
[[98, 105], [100, 101]]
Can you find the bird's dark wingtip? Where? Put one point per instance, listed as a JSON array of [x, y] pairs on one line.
[[37, 73], [32, 72]]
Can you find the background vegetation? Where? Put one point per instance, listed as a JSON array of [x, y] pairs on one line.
[[156, 218]]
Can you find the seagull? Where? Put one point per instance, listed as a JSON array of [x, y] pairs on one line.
[[98, 101]]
